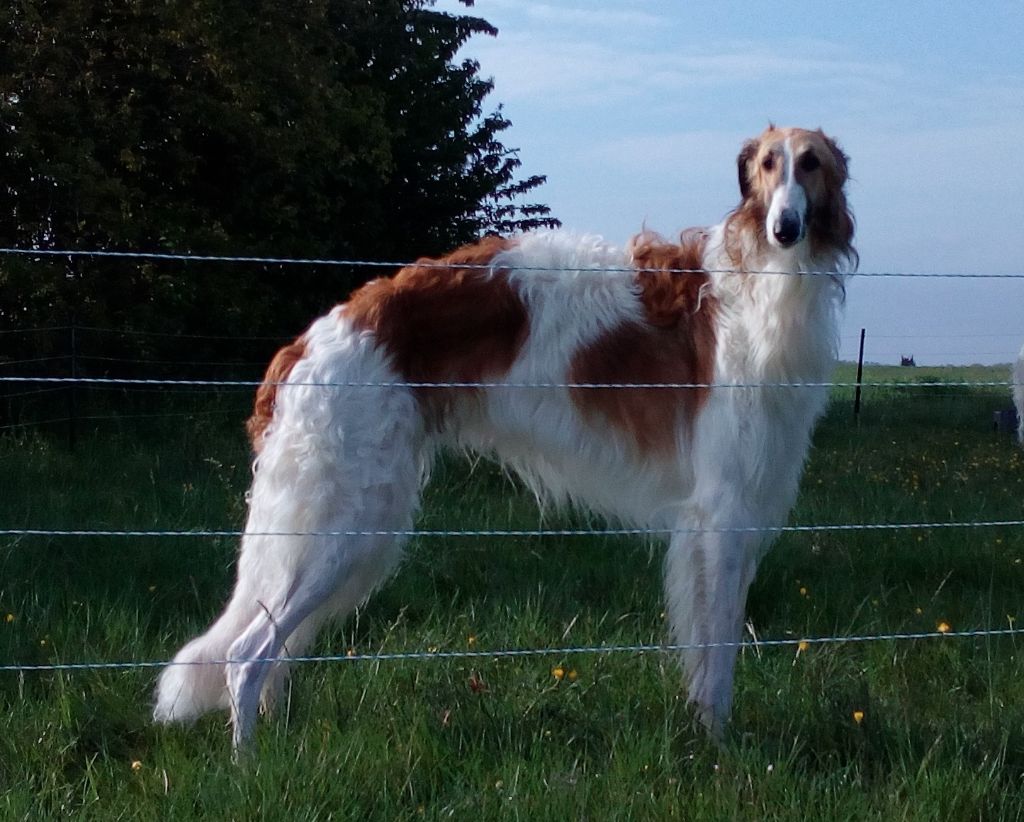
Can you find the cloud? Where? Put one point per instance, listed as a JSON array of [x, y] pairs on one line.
[[548, 68], [576, 18], [571, 62]]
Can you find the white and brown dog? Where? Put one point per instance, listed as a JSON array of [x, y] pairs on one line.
[[344, 442]]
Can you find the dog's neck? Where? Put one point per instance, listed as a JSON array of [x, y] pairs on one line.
[[780, 307]]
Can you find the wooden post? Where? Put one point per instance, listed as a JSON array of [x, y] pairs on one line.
[[860, 377]]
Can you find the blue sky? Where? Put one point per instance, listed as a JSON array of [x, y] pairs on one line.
[[636, 110]]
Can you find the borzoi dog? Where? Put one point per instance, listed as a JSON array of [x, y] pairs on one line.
[[716, 463]]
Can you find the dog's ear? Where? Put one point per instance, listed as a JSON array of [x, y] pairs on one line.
[[841, 160], [743, 167]]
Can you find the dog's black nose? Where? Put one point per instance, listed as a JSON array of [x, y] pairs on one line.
[[789, 228]]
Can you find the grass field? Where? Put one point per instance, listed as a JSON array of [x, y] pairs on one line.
[[941, 721]]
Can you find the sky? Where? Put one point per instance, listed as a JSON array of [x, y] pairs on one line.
[[635, 111]]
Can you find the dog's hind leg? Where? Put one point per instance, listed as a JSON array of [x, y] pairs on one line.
[[335, 583], [368, 569], [336, 489]]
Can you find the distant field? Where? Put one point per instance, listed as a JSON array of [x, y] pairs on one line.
[[941, 721]]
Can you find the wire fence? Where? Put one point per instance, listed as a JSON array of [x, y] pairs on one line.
[[46, 384], [521, 532], [440, 264], [123, 381], [507, 653], [138, 332], [499, 653]]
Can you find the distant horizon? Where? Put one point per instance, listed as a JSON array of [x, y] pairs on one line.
[[1007, 365]]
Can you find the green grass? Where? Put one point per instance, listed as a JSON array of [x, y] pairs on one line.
[[942, 735]]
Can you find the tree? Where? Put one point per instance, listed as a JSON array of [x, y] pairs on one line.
[[331, 128]]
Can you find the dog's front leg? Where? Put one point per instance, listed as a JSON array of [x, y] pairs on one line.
[[708, 570]]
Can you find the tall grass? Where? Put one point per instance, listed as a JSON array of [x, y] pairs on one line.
[[941, 722]]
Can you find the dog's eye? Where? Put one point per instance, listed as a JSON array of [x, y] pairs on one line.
[[768, 163], [809, 162]]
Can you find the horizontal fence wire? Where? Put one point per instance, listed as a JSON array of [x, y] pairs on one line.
[[36, 330], [517, 532], [52, 358], [224, 258], [289, 337], [1005, 353], [119, 417], [32, 393], [505, 653], [134, 332], [1012, 334], [140, 361], [126, 381], [14, 426]]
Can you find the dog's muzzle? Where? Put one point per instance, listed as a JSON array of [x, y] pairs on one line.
[[789, 228]]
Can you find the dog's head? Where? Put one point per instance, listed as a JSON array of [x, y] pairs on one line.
[[792, 181]]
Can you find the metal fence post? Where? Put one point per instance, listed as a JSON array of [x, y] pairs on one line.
[[860, 376]]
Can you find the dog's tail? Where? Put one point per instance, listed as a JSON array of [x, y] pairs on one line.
[[196, 680]]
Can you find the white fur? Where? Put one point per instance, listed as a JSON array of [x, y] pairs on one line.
[[787, 197], [354, 458]]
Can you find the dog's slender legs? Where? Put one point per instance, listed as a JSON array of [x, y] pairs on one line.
[[334, 585], [707, 575], [369, 570], [327, 498], [342, 574]]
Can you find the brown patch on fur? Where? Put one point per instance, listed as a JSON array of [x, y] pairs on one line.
[[440, 322], [676, 344], [266, 395]]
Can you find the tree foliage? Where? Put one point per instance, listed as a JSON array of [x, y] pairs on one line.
[[327, 129]]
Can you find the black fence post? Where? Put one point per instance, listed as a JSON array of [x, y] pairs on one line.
[[860, 376], [72, 398]]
